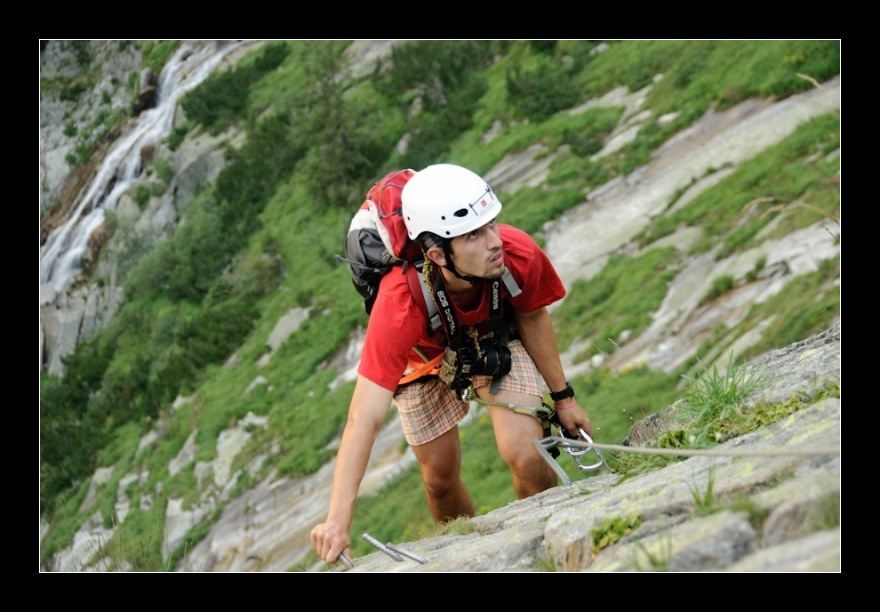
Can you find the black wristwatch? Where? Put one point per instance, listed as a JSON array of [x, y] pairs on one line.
[[561, 395]]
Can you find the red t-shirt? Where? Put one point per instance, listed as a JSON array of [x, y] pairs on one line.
[[397, 323]]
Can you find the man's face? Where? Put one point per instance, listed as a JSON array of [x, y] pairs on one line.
[[479, 252]]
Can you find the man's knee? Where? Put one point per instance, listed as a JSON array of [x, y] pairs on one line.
[[437, 483], [527, 464], [440, 473]]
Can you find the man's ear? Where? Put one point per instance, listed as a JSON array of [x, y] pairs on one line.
[[437, 255]]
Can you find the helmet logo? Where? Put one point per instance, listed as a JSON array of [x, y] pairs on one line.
[[481, 204]]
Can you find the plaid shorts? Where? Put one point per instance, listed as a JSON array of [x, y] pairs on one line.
[[428, 408]]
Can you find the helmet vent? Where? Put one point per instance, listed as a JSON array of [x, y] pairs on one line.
[[461, 212]]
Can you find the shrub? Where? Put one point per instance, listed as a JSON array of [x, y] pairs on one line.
[[542, 91], [141, 195]]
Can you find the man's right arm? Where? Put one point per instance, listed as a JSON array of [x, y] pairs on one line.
[[366, 414]]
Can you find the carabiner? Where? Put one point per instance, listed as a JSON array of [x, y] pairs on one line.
[[576, 450]]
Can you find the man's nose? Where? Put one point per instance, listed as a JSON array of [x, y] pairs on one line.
[[495, 241]]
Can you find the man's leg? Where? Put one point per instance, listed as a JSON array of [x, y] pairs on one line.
[[440, 462], [514, 434]]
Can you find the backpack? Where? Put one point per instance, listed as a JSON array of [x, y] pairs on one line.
[[377, 241]]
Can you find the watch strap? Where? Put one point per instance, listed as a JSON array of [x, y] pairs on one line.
[[561, 395]]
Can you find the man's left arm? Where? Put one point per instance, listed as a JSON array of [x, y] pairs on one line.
[[539, 339]]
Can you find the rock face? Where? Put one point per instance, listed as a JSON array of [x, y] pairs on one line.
[[65, 116], [768, 501]]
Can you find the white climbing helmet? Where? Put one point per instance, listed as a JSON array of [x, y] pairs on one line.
[[447, 200]]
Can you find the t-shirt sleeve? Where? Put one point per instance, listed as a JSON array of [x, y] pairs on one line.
[[396, 325], [532, 270]]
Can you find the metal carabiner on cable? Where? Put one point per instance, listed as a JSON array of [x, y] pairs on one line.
[[573, 447], [577, 450]]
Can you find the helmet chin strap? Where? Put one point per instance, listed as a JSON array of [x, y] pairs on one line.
[[473, 280]]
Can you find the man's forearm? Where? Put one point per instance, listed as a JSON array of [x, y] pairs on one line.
[[539, 338], [369, 407], [351, 465]]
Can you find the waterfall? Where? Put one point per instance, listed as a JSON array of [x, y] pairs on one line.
[[192, 63]]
